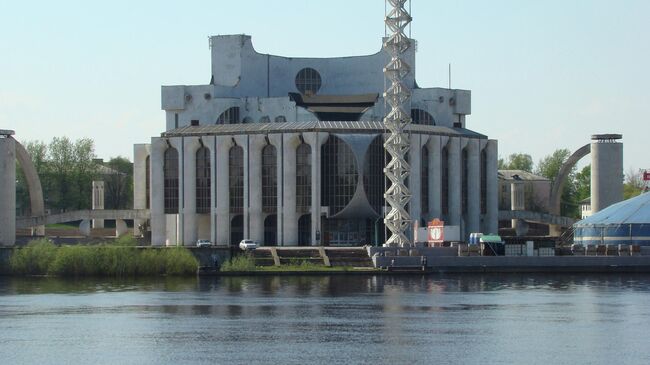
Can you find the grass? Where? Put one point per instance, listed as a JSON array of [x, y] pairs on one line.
[[246, 263], [118, 259], [61, 226]]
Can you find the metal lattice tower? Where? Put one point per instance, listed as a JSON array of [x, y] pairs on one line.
[[397, 145]]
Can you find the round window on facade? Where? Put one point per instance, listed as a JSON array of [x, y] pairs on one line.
[[308, 81]]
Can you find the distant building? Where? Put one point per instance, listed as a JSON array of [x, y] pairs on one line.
[[537, 190], [289, 151], [585, 208]]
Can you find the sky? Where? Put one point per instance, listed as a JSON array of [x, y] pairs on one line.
[[544, 75]]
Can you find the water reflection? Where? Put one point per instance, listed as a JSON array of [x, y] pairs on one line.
[[323, 319]]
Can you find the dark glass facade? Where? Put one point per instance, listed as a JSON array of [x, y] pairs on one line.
[[147, 181], [444, 180], [424, 180], [483, 182], [339, 175], [230, 116], [373, 174], [236, 179], [203, 180], [170, 172], [464, 181], [419, 116], [303, 178], [271, 230], [269, 179]]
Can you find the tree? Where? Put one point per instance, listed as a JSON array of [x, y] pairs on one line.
[[119, 183], [634, 183], [549, 167], [517, 161], [583, 184]]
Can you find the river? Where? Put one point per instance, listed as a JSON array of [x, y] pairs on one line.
[[451, 319]]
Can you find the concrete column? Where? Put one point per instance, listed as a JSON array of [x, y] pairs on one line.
[[473, 217], [435, 145], [517, 202], [277, 141], [98, 202], [606, 171], [415, 178], [190, 227], [158, 219], [315, 140], [291, 142], [454, 163], [7, 191], [222, 180], [254, 171], [140, 154], [491, 220], [175, 236]]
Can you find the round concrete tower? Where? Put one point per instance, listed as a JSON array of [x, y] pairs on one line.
[[606, 171], [7, 188]]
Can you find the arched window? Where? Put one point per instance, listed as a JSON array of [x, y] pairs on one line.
[[423, 117], [373, 174], [265, 119], [308, 81], [424, 180], [464, 181], [170, 172], [236, 179], [280, 119], [147, 180], [269, 180], [247, 120], [303, 178], [339, 174], [444, 180], [230, 116], [203, 180], [483, 182]]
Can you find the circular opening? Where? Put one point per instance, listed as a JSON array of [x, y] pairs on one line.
[[308, 81]]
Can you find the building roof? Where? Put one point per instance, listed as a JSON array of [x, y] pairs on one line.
[[324, 126], [634, 210], [520, 175]]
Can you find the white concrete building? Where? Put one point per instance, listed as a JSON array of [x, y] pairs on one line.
[[289, 151]]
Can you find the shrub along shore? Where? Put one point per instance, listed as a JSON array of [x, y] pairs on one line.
[[118, 259]]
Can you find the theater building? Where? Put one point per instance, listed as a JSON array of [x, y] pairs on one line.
[[289, 151]]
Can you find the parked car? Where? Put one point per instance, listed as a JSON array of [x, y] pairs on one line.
[[247, 245], [203, 243]]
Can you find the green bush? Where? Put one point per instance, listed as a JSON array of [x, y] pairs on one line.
[[118, 259], [239, 263], [33, 259]]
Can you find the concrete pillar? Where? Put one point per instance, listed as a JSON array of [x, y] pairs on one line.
[[517, 202], [190, 227], [316, 140], [491, 220], [454, 163], [435, 204], [415, 178], [120, 228], [140, 154], [222, 181], [291, 141], [473, 216], [254, 171], [158, 220], [606, 171], [98, 202], [7, 190], [211, 143]]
